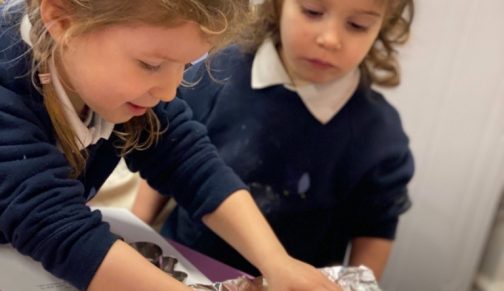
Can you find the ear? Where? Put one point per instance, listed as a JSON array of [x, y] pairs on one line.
[[55, 17]]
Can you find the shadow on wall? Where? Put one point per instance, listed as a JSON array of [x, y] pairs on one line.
[[490, 276]]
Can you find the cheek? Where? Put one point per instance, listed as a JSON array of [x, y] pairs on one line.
[[289, 32], [83, 74], [106, 91], [355, 57], [299, 38], [358, 51], [114, 81], [293, 41]]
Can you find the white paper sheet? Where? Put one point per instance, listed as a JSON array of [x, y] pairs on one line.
[[21, 273]]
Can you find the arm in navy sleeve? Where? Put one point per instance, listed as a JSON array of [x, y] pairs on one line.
[[381, 195], [43, 212], [185, 164]]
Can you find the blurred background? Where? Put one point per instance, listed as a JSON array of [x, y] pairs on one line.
[[452, 104]]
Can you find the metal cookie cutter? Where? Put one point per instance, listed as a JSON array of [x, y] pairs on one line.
[[152, 252], [179, 276], [168, 265]]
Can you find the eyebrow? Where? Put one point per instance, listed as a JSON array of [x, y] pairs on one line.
[[159, 55], [369, 12], [359, 11], [171, 59]]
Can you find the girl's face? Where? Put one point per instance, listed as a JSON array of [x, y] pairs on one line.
[[322, 40], [121, 71]]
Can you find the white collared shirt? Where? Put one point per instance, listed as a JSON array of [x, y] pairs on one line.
[[87, 132], [323, 101]]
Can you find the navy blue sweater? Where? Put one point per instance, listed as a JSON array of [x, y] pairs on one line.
[[319, 185], [43, 213]]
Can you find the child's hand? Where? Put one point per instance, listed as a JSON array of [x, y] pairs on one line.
[[289, 274]]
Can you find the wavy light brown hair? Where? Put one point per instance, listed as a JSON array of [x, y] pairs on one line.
[[379, 67], [218, 19]]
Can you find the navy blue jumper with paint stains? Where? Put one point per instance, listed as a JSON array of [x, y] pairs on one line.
[[319, 185]]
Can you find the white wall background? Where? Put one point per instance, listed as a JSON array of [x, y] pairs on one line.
[[452, 105]]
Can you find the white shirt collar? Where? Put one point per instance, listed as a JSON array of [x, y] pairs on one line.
[[94, 127], [323, 101], [25, 28], [267, 68]]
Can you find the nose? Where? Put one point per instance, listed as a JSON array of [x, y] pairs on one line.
[[166, 85], [330, 37]]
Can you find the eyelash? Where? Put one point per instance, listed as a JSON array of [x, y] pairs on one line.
[[149, 67], [310, 13], [153, 69], [314, 14], [357, 27]]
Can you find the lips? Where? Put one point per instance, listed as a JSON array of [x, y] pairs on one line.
[[137, 106], [319, 64], [136, 109]]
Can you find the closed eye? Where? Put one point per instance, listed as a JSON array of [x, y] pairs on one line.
[[357, 27], [149, 67], [311, 13]]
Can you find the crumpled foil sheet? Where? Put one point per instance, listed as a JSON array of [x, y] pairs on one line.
[[349, 278]]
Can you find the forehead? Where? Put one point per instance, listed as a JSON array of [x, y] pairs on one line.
[[357, 4], [184, 41]]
